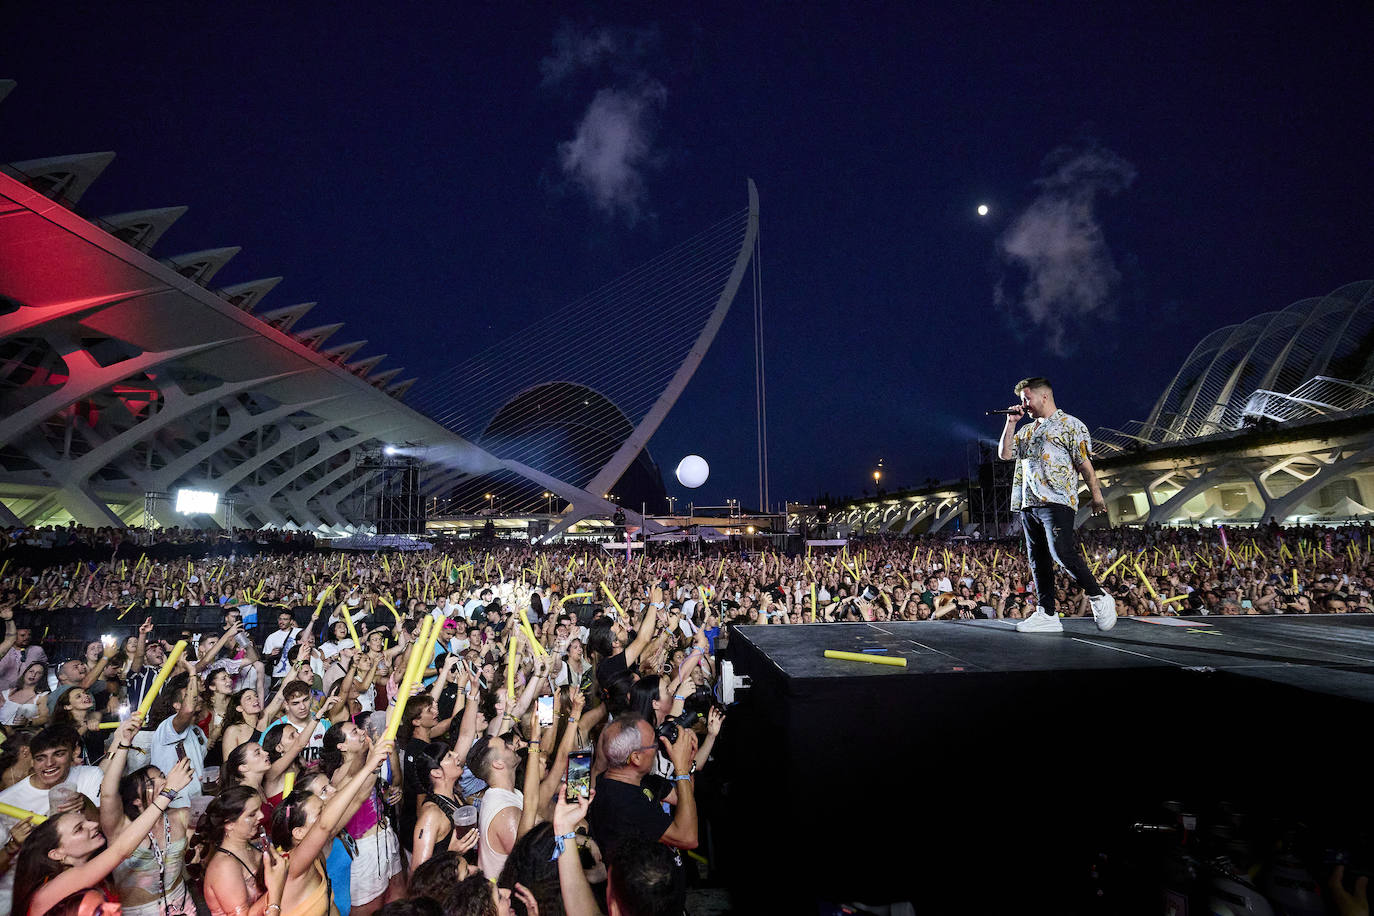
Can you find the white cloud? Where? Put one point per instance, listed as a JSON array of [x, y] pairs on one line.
[[613, 147], [575, 51], [1059, 243]]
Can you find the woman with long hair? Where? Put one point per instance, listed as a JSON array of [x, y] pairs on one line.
[[219, 691], [238, 878], [73, 709], [16, 760], [251, 765], [150, 882], [434, 828], [376, 875], [26, 703], [62, 855], [305, 826]]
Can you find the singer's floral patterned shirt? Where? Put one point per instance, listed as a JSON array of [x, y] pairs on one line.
[[1047, 454]]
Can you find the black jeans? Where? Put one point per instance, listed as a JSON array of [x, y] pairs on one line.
[[1050, 539]]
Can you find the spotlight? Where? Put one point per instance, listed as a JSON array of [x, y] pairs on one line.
[[390, 451]]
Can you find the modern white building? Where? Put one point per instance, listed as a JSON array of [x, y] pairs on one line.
[[127, 373]]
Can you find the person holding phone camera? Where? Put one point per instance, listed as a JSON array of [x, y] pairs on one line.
[[628, 798]]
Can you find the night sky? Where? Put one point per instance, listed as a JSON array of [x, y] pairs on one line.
[[1153, 171]]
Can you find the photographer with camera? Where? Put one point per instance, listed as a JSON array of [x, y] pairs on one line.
[[628, 799]]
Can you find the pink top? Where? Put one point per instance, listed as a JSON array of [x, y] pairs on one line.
[[364, 819]]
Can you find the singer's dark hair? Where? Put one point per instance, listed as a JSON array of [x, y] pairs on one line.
[[1038, 382]]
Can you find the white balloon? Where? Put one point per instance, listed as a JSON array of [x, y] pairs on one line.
[[692, 471]]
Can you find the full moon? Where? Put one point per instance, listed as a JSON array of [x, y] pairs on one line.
[[982, 209]]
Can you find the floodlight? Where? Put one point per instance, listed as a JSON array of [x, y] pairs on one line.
[[389, 450], [197, 502]]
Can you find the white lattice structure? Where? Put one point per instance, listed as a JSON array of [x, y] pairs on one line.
[[1273, 417], [123, 373]]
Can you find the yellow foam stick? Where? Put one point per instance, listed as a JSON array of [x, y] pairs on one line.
[[392, 608], [576, 595], [161, 679], [1295, 580], [1108, 571], [352, 630], [1146, 580], [705, 605], [813, 602], [607, 589], [510, 676], [20, 814], [897, 662], [288, 782], [319, 606], [393, 721], [1173, 599], [108, 726], [529, 633]]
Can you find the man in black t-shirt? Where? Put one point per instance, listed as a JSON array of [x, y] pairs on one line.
[[629, 799]]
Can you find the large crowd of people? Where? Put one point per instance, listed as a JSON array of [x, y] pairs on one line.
[[545, 757]]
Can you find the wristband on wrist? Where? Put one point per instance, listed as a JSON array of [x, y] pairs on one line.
[[560, 844], [127, 747], [682, 777], [678, 696]]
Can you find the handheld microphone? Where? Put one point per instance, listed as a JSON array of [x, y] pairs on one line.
[[1005, 412]]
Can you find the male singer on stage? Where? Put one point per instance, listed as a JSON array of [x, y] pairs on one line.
[[1050, 455]]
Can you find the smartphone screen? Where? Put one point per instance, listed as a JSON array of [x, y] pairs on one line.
[[579, 775], [545, 711], [181, 750]]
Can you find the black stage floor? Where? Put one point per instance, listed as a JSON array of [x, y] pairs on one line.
[[1020, 758]]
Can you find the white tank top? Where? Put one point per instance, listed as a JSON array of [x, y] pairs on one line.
[[494, 801]]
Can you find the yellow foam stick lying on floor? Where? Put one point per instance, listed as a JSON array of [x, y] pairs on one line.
[[897, 662]]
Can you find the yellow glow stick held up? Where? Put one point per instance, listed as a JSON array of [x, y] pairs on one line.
[[576, 595], [813, 602], [20, 814], [1173, 599], [393, 721], [1146, 579], [607, 589], [529, 633], [897, 662], [392, 608], [288, 783], [1295, 579], [161, 679], [352, 630], [108, 726], [1109, 569], [510, 675]]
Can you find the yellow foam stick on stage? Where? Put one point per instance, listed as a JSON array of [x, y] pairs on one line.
[[393, 721], [20, 814], [161, 679], [607, 589], [897, 662]]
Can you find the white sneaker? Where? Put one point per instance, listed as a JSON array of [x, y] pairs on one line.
[[1040, 622], [1104, 611]]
